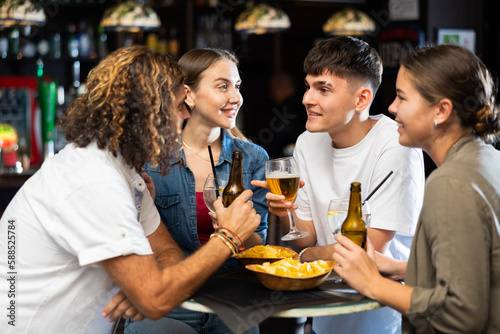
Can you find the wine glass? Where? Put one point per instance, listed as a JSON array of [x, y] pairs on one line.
[[283, 178], [210, 189], [337, 213]]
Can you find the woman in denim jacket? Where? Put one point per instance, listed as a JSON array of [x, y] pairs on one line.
[[213, 99]]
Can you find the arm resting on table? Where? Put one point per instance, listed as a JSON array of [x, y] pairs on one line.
[[154, 291]]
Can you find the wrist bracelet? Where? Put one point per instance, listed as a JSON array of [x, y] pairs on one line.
[[240, 248], [228, 244], [225, 234], [237, 237], [302, 252]]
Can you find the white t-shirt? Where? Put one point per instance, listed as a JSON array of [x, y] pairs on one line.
[[328, 173], [82, 207]]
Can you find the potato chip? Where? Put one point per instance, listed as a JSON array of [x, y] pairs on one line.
[[293, 268], [267, 251]]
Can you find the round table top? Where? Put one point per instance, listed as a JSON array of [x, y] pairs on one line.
[[362, 305]]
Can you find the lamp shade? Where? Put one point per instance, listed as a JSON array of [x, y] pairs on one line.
[[349, 22], [21, 12], [130, 16], [262, 19]]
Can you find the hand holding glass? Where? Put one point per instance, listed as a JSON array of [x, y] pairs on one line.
[[283, 178]]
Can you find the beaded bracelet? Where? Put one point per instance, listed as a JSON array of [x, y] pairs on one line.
[[242, 247], [230, 237], [231, 240], [228, 244], [302, 252], [225, 228]]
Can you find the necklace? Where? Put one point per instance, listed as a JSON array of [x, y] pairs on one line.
[[199, 156]]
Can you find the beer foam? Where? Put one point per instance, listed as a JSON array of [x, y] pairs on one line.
[[280, 175]]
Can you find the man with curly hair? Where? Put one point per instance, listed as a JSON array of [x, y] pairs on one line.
[[85, 225]]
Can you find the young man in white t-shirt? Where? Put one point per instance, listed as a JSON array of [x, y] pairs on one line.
[[344, 144]]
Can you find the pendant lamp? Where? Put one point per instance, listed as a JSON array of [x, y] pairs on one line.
[[349, 22], [262, 19], [130, 16], [21, 12]]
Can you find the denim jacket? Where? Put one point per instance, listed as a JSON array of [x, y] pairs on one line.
[[176, 196]]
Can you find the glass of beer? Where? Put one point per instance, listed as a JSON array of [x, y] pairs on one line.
[[283, 178]]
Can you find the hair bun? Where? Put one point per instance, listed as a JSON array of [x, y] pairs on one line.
[[487, 125]]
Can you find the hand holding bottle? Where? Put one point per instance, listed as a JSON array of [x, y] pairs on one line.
[[240, 217]]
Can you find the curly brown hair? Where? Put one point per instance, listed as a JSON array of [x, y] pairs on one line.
[[129, 107]]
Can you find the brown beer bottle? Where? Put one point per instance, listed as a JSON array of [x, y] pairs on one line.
[[234, 185], [353, 226]]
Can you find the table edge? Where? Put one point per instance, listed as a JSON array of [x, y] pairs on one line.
[[307, 311]]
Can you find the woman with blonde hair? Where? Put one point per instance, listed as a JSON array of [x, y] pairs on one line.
[[445, 105], [214, 100]]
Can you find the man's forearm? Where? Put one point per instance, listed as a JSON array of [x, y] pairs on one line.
[[166, 250], [180, 281], [169, 257], [317, 253], [253, 240], [156, 292]]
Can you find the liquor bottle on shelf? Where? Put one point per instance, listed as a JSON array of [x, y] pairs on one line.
[[234, 185], [84, 41], [4, 45], [15, 43], [59, 140], [72, 43], [55, 45], [353, 226], [152, 41], [47, 97]]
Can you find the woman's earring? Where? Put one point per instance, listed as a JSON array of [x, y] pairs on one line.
[[357, 109], [435, 124]]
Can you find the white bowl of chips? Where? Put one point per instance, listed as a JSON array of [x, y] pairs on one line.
[[292, 275], [268, 253]]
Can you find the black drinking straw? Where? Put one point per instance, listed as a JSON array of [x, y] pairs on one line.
[[213, 170], [380, 184]]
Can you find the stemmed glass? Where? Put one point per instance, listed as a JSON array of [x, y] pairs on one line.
[[283, 178], [210, 189]]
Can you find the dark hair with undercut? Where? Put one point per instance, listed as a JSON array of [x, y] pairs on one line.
[[348, 58], [129, 107], [456, 73]]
